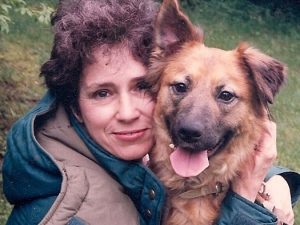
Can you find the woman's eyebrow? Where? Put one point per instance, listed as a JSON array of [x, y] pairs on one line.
[[100, 85], [138, 79]]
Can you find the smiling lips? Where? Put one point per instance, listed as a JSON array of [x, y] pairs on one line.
[[132, 135]]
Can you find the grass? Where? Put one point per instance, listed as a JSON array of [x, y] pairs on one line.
[[226, 23]]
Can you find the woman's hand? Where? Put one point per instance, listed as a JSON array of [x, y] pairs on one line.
[[249, 181], [279, 199]]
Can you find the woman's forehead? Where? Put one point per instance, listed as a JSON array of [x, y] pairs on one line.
[[117, 66]]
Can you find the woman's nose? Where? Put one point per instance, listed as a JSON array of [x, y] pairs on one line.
[[127, 108]]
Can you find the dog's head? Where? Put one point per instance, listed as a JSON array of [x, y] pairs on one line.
[[206, 96]]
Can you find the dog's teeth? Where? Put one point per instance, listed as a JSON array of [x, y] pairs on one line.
[[172, 146]]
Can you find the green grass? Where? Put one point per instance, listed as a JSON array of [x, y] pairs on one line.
[[225, 22]]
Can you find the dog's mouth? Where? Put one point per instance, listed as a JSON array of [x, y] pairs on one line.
[[188, 162], [221, 144]]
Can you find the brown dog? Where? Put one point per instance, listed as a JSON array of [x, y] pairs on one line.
[[211, 108]]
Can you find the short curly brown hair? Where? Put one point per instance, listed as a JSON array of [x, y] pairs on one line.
[[81, 25]]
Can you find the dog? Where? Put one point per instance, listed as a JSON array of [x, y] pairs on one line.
[[211, 106]]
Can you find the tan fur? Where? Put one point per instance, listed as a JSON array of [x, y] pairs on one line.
[[242, 70]]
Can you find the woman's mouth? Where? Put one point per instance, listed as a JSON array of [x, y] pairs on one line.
[[131, 135]]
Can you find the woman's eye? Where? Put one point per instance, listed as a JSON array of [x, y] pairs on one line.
[[102, 93], [226, 96], [180, 88]]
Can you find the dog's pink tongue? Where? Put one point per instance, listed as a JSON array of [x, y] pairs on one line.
[[188, 164]]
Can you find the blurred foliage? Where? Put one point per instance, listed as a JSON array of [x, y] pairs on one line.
[[287, 9], [280, 7], [41, 12]]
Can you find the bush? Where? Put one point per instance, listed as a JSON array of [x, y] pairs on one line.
[[41, 13]]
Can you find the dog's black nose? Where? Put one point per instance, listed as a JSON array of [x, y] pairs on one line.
[[189, 135]]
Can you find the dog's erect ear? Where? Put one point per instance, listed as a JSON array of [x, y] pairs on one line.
[[268, 73], [173, 28]]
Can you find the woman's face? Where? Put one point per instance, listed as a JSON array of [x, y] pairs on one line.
[[114, 107]]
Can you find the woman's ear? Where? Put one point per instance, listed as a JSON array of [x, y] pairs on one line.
[[76, 113]]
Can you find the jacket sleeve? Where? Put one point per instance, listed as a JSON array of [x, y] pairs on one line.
[[31, 212], [236, 210]]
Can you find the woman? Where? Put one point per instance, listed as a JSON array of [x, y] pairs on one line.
[[76, 158]]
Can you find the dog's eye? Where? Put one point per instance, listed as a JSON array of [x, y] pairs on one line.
[[226, 96], [179, 87]]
